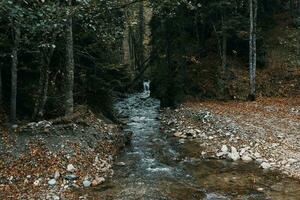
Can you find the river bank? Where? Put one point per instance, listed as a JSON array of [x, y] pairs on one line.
[[266, 132], [49, 159]]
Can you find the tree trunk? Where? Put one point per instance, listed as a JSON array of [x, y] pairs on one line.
[[1, 85], [252, 49], [69, 102], [224, 46], [14, 75], [46, 55], [141, 33]]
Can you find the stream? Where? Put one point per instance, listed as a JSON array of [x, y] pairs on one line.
[[156, 166]]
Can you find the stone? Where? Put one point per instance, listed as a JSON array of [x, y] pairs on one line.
[[97, 181], [265, 165], [15, 126], [71, 168], [224, 149], [55, 197], [243, 151], [234, 155], [257, 155], [86, 183], [246, 158], [260, 189], [220, 154], [178, 134], [36, 183], [56, 174], [292, 160], [71, 177], [120, 164], [52, 182]]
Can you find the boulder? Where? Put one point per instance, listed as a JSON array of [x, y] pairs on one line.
[[234, 154]]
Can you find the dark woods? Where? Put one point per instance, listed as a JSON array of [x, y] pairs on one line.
[[57, 54]]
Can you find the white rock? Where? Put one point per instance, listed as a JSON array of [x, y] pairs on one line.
[[178, 134], [57, 174], [55, 197], [36, 183], [220, 154], [234, 155], [260, 189], [182, 141], [224, 149], [120, 164], [71, 168], [243, 151], [292, 160], [246, 158], [265, 165], [257, 155]]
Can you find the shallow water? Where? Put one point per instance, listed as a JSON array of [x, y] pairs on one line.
[[158, 167]]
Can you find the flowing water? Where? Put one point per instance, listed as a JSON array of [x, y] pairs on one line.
[[156, 166]]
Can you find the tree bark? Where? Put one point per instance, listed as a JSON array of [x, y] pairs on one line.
[[14, 75], [141, 33], [69, 101], [252, 49], [46, 55], [1, 85], [224, 46]]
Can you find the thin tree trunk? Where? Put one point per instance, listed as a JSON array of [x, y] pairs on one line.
[[14, 75], [224, 46], [141, 33], [69, 101], [46, 55], [1, 85], [252, 49]]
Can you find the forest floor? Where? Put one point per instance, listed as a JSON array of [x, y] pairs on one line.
[[50, 159], [266, 131]]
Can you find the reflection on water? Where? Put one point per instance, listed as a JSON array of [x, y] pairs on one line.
[[158, 167]]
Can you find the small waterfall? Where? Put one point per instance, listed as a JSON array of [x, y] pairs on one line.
[[146, 85]]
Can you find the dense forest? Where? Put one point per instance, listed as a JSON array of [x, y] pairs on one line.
[[66, 63], [56, 54]]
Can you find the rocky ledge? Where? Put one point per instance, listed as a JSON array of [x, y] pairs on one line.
[[266, 132]]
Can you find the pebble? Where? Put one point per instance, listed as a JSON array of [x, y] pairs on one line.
[[265, 165], [52, 182], [71, 177], [260, 189], [86, 183], [70, 168], [246, 158], [36, 183], [224, 149], [56, 174], [121, 164], [97, 181]]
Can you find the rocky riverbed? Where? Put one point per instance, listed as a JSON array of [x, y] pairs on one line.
[[50, 159], [266, 132]]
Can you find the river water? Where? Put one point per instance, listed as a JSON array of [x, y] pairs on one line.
[[156, 166]]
